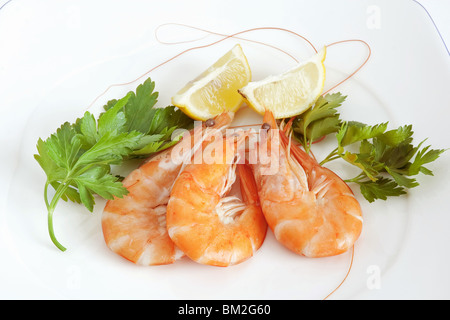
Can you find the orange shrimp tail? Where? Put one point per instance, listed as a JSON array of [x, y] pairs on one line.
[[249, 190], [253, 219], [208, 226]]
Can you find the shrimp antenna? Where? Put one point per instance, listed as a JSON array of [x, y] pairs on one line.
[[345, 278]]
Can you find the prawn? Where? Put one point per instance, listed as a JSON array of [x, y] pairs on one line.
[[134, 226], [210, 226], [308, 207]]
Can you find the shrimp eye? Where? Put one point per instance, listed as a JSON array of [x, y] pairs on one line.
[[210, 122], [265, 126]]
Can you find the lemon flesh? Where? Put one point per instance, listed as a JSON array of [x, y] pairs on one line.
[[216, 89], [290, 93]]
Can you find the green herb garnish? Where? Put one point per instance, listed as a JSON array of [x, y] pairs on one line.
[[388, 159], [320, 120], [77, 158]]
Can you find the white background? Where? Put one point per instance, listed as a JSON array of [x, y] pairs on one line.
[[42, 43]]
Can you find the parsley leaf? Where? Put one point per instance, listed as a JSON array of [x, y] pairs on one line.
[[97, 180], [318, 121], [165, 122], [138, 110], [77, 158], [380, 189], [384, 157], [423, 156], [68, 167], [388, 159], [353, 131], [157, 124]]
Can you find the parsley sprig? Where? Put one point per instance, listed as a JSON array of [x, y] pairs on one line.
[[320, 120], [77, 158], [388, 159]]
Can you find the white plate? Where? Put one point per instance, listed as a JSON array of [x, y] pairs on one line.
[[402, 251]]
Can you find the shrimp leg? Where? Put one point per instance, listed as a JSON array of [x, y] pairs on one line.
[[208, 225], [134, 226], [308, 207]]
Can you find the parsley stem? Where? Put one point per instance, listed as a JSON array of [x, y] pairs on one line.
[[357, 178], [45, 194], [332, 156], [51, 208]]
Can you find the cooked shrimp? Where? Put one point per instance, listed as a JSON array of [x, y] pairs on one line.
[[308, 207], [204, 221], [135, 226]]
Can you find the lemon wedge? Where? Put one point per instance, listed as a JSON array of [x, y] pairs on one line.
[[216, 89], [290, 93]]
